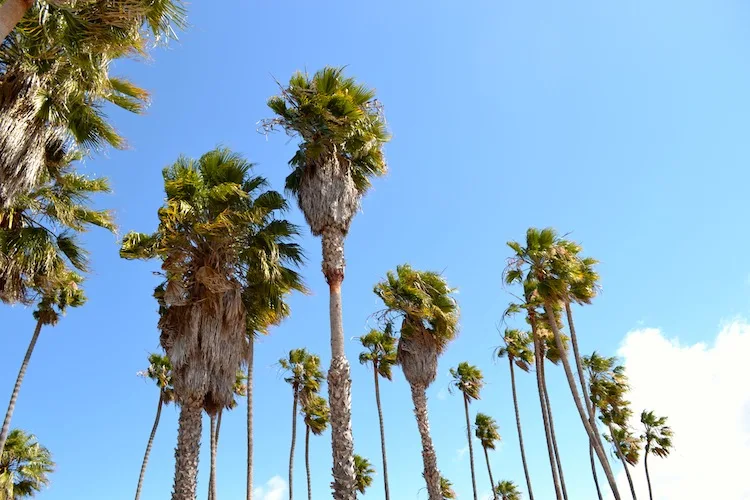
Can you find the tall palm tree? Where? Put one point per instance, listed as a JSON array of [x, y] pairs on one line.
[[657, 440], [160, 372], [363, 471], [240, 389], [24, 466], [342, 132], [488, 433], [468, 379], [545, 262], [208, 217], [305, 376], [380, 351], [519, 354], [317, 416], [429, 315], [507, 490], [446, 489]]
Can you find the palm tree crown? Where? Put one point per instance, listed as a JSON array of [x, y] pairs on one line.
[[446, 489], [363, 471], [657, 435], [487, 430], [517, 348], [468, 379], [507, 490], [24, 466], [380, 350], [316, 413], [303, 372]]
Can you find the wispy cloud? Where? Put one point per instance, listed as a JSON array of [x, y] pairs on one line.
[[461, 453], [274, 489]]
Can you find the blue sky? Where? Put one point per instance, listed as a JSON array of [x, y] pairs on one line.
[[624, 123]]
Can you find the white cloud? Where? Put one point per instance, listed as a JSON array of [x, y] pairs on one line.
[[274, 489], [461, 453], [704, 391]]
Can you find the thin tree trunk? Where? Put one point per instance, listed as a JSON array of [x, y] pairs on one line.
[[11, 13], [307, 462], [619, 454], [579, 406], [186, 454], [489, 471], [553, 436], [431, 473], [382, 431], [19, 379], [148, 446], [471, 447], [294, 440], [518, 425], [250, 356], [212, 474], [648, 477], [214, 469], [585, 391]]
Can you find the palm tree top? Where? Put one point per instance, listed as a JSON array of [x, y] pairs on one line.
[[24, 466], [446, 489], [380, 350], [658, 435], [160, 371], [316, 413], [425, 301], [468, 379], [487, 430], [517, 348], [508, 490], [627, 443], [363, 472], [303, 371]]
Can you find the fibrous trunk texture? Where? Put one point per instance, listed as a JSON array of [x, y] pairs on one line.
[[518, 426], [340, 399], [188, 447], [11, 13], [431, 473], [148, 446], [382, 432]]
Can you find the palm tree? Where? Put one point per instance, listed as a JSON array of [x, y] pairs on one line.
[[363, 471], [626, 447], [239, 390], [488, 433], [317, 416], [381, 352], [657, 439], [446, 489], [546, 262], [305, 377], [519, 354], [342, 133], [209, 215], [468, 379], [507, 490], [24, 466], [160, 371], [429, 315]]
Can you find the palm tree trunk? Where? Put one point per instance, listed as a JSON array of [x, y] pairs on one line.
[[382, 432], [489, 471], [188, 447], [250, 356], [11, 13], [584, 389], [339, 378], [212, 474], [619, 454], [648, 476], [518, 425], [148, 446], [213, 485], [539, 359], [431, 473], [553, 436], [579, 406], [307, 462], [19, 379], [471, 447], [294, 440]]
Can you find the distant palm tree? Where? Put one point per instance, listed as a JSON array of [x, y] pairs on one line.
[[507, 490], [446, 489], [519, 354], [468, 379], [430, 321], [381, 353], [160, 371], [24, 466], [657, 439], [240, 389], [342, 133], [317, 416], [363, 471], [488, 433], [305, 376]]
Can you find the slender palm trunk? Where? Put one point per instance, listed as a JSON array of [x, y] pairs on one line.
[[250, 355], [214, 454], [489, 471], [307, 462], [471, 448], [648, 477], [212, 474], [11, 13], [579, 406], [148, 446], [553, 436], [188, 446], [585, 391], [19, 380], [619, 454], [382, 431], [339, 378], [294, 441], [431, 473], [518, 426]]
